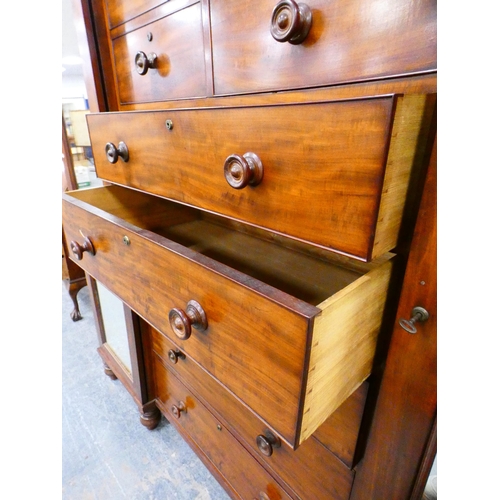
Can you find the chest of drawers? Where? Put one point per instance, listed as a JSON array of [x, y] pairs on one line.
[[265, 163]]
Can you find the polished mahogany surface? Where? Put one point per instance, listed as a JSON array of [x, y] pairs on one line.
[[162, 60], [257, 131], [349, 40]]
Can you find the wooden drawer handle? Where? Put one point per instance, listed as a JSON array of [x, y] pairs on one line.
[[113, 152], [144, 62], [241, 171], [181, 322], [174, 356], [79, 249], [178, 409], [267, 442], [291, 22]]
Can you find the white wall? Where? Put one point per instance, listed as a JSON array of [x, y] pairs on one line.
[[73, 87]]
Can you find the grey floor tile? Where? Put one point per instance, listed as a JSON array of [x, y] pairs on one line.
[[106, 453]]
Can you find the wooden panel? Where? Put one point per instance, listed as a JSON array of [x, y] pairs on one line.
[[406, 407], [417, 84], [359, 40], [311, 470], [321, 184], [179, 71], [343, 346], [340, 431], [166, 275], [412, 124], [120, 11], [226, 455], [268, 354]]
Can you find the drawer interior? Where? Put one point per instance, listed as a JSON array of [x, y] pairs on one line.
[[304, 272]]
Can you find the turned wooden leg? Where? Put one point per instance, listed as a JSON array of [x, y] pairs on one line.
[[109, 372], [150, 416]]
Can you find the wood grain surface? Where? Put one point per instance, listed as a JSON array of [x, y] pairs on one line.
[[178, 42], [406, 409], [350, 40], [269, 353], [120, 11], [327, 477], [215, 442], [321, 184]]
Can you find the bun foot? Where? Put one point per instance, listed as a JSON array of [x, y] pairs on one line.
[[151, 419], [109, 372]]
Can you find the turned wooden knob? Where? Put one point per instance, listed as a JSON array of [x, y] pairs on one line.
[[241, 171], [291, 22], [178, 409], [174, 356], [181, 322], [78, 249], [113, 152], [144, 62], [267, 442]]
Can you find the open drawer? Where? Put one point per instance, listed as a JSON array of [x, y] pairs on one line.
[[335, 174], [289, 329]]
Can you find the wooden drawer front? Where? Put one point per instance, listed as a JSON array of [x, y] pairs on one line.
[[323, 164], [179, 71], [120, 11], [293, 362], [226, 455], [311, 470], [349, 40]]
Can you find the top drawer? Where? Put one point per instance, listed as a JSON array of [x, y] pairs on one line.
[[120, 11], [349, 40], [332, 175], [161, 56]]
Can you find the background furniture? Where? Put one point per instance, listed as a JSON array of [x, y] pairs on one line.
[[241, 359], [72, 274]]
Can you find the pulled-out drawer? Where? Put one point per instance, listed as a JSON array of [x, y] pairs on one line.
[[163, 59], [259, 48], [311, 470], [334, 174], [291, 332], [239, 470]]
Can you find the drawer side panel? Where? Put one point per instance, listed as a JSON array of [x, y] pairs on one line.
[[343, 345]]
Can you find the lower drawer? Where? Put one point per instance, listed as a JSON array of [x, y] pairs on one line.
[[311, 471], [241, 474], [292, 333]]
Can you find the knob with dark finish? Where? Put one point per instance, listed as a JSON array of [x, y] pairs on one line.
[[181, 322], [144, 62], [242, 171], [178, 409], [79, 249], [291, 22], [174, 356], [417, 314], [113, 152], [267, 443]]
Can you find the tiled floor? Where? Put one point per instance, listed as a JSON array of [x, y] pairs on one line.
[[107, 454]]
